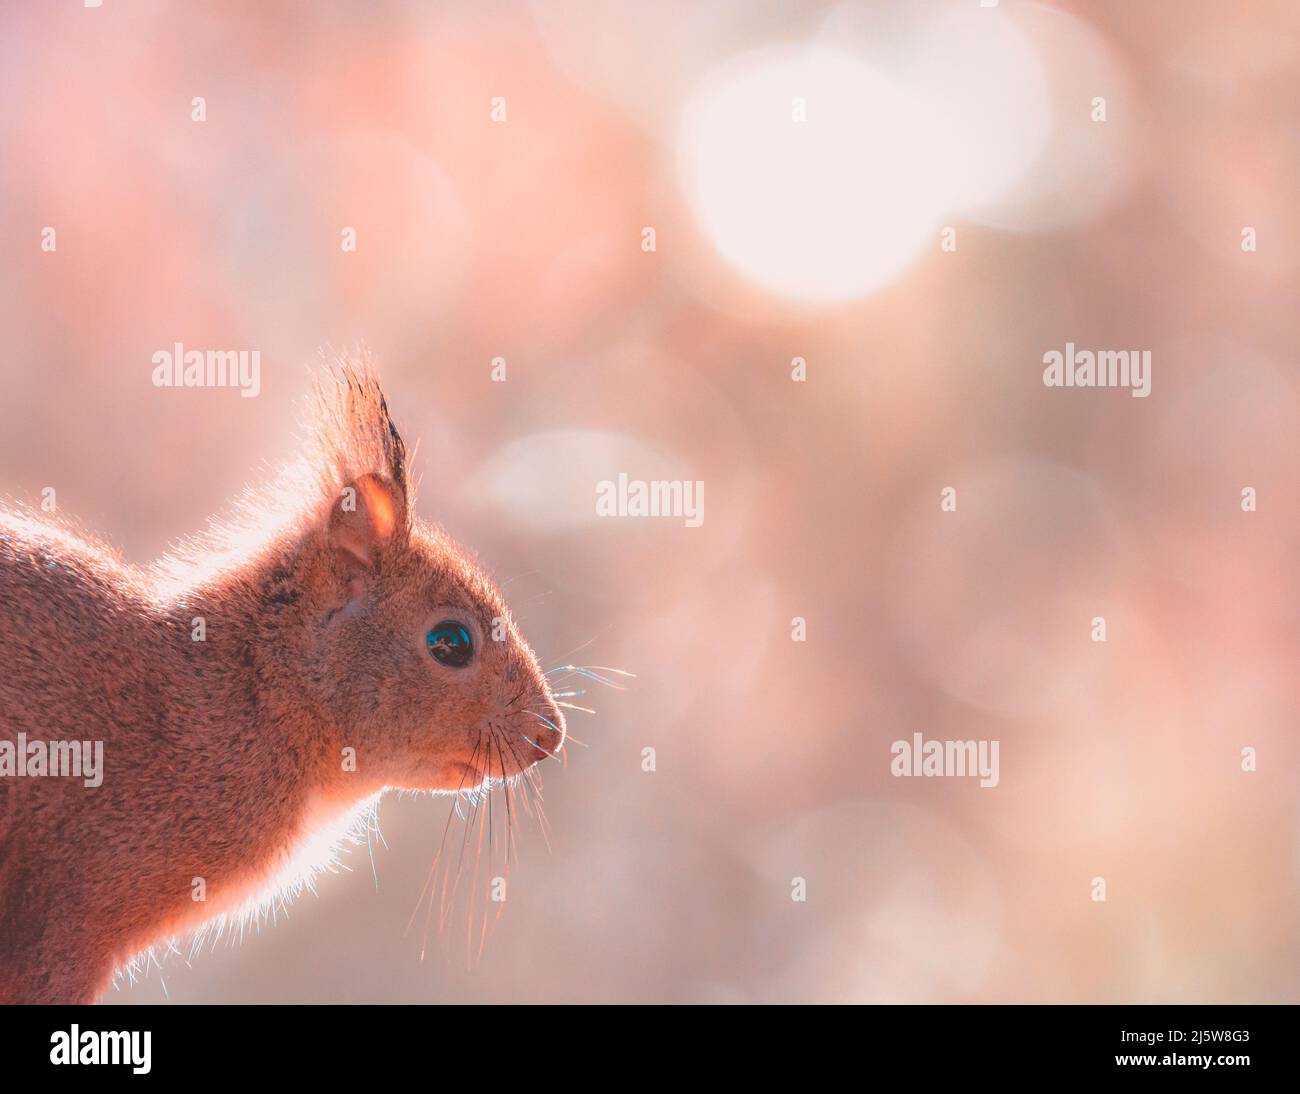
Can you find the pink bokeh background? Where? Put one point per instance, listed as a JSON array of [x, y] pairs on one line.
[[523, 240]]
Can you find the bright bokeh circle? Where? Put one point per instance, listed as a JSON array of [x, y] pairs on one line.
[[816, 177]]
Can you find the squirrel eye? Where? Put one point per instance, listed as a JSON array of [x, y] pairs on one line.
[[450, 644]]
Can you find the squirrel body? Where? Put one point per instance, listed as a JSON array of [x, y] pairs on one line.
[[226, 757]]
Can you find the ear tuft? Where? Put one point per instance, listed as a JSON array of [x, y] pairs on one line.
[[359, 458]]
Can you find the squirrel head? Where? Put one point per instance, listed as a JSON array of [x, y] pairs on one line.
[[394, 631]]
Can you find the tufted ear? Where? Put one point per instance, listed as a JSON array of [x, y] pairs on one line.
[[369, 515], [361, 463]]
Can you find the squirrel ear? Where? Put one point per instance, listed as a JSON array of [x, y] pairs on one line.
[[359, 461], [367, 516]]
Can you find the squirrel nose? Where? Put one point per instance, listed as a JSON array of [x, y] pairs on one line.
[[550, 734]]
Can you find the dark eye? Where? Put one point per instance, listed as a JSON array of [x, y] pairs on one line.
[[450, 644]]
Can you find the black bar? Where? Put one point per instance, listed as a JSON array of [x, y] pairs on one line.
[[1244, 1044]]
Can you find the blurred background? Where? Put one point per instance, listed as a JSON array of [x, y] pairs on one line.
[[500, 164]]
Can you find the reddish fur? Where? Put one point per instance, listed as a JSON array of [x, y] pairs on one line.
[[220, 756]]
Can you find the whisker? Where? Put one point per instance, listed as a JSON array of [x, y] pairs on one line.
[[510, 817], [519, 694], [477, 800], [546, 720], [505, 871], [528, 773], [526, 573], [592, 672], [372, 824], [433, 869], [583, 645], [521, 793], [484, 815], [539, 748], [545, 826]]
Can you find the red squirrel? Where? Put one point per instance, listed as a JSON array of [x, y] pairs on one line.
[[317, 648]]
